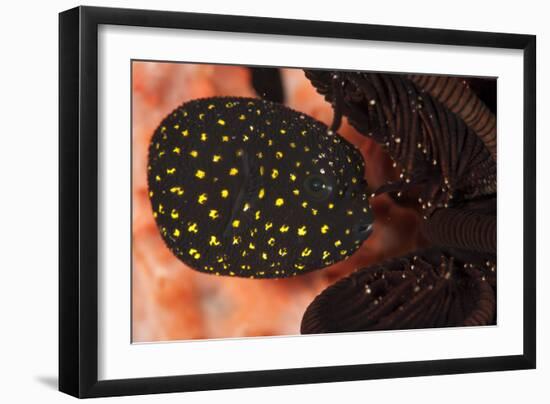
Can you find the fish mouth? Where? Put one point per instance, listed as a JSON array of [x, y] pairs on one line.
[[363, 230]]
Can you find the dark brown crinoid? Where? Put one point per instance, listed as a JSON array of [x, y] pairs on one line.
[[419, 291], [442, 139], [439, 133]]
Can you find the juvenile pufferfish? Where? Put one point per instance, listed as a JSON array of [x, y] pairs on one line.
[[247, 187]]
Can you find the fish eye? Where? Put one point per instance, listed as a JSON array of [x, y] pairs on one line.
[[318, 187]]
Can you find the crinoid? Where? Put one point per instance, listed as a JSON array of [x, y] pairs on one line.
[[442, 139], [428, 289], [437, 131]]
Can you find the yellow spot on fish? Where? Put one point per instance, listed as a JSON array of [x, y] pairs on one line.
[[201, 116], [274, 173], [170, 170], [314, 212], [349, 212], [176, 126], [264, 256], [279, 202], [302, 231], [221, 122], [225, 193], [246, 207], [262, 170], [193, 227], [176, 150], [296, 191], [216, 158], [225, 138], [306, 252], [282, 131], [326, 254], [162, 153], [242, 117], [257, 216], [202, 199], [324, 229], [236, 240], [176, 233], [284, 228], [235, 223], [331, 206], [299, 266], [271, 241], [150, 194], [343, 252], [193, 153], [251, 246], [292, 145], [245, 138], [200, 174], [161, 209], [194, 253], [282, 252], [261, 193], [185, 133], [177, 190], [298, 164], [174, 214], [348, 231], [211, 106], [268, 225], [214, 241], [233, 171], [213, 214], [278, 155], [304, 204], [204, 136], [354, 180], [292, 177], [337, 243], [157, 178]]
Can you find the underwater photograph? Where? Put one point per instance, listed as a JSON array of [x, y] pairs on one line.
[[273, 201]]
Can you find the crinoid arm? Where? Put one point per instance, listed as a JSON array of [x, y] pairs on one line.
[[433, 127], [462, 228], [424, 290]]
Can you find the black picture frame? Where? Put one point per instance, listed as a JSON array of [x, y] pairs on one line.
[[78, 201]]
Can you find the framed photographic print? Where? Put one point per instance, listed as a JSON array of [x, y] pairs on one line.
[[252, 201]]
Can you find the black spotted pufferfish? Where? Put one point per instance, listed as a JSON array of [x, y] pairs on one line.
[[247, 187]]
